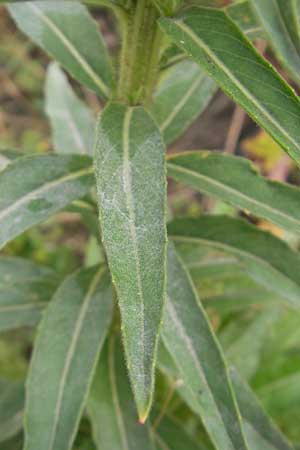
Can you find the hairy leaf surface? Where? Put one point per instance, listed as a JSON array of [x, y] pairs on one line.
[[70, 337], [130, 175], [210, 38], [34, 187]]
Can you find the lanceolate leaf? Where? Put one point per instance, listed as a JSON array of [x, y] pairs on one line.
[[34, 187], [219, 47], [111, 406], [130, 175], [182, 95], [267, 259], [11, 409], [72, 122], [54, 26], [191, 342], [278, 19], [241, 13], [237, 181], [66, 351], [25, 289]]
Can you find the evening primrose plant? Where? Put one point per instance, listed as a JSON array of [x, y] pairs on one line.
[[124, 349]]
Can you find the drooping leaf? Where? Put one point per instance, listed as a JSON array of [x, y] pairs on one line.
[[219, 47], [34, 187], [237, 181], [278, 20], [11, 409], [72, 122], [266, 258], [111, 405], [182, 95], [66, 351], [130, 175], [54, 26], [25, 289], [241, 13], [190, 340]]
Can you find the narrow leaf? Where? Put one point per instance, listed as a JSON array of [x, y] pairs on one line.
[[66, 351], [191, 342], [266, 258], [11, 409], [182, 95], [130, 175], [278, 20], [219, 47], [237, 181], [54, 25], [71, 121], [111, 406], [41, 186], [23, 297]]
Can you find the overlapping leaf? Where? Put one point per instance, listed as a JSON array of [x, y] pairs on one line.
[[71, 121], [130, 175], [237, 181], [241, 13], [266, 258], [182, 95], [210, 38], [11, 409], [54, 26], [25, 289], [34, 187], [111, 406], [191, 342], [66, 351]]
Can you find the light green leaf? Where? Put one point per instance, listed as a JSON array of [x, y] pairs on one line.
[[64, 360], [41, 186], [25, 289], [266, 258], [170, 435], [241, 13], [183, 93], [111, 406], [54, 26], [237, 181], [11, 409], [278, 19], [131, 184], [190, 340], [219, 47], [71, 121]]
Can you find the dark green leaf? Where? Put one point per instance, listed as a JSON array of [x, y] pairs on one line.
[[266, 258], [219, 47], [131, 184], [66, 351], [54, 26], [11, 409], [34, 187], [237, 181]]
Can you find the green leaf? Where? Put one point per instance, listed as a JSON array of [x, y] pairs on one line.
[[25, 289], [64, 360], [54, 26], [219, 47], [6, 156], [182, 95], [237, 181], [41, 186], [261, 432], [241, 13], [131, 184], [278, 19], [266, 258], [11, 409], [170, 435], [71, 121], [111, 406], [190, 340]]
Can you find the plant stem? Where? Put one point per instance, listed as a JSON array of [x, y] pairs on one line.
[[140, 54]]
